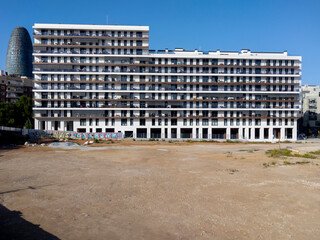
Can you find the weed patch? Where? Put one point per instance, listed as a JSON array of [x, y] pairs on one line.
[[279, 153], [265, 164], [232, 171], [303, 162], [229, 154], [231, 141], [316, 152], [275, 153]]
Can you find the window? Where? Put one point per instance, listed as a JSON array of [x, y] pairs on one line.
[[123, 122], [142, 122], [82, 122], [174, 122], [185, 122], [214, 122]]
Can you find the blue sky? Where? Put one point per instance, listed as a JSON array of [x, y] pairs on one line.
[[259, 25]]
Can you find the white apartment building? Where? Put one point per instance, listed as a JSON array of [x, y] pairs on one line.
[[104, 78]]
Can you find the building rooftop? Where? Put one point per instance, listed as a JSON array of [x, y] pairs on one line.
[[231, 54], [90, 27]]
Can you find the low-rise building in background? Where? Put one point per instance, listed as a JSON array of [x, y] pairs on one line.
[[13, 87]]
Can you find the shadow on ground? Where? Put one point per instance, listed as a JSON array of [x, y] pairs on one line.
[[13, 226]]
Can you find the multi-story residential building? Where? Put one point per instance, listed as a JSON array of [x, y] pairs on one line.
[[13, 87], [95, 78], [311, 108]]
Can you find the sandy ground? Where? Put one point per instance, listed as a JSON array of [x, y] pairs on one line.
[[156, 190]]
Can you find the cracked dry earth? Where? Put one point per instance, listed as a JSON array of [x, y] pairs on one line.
[[162, 191]]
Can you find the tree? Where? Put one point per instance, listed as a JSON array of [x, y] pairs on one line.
[[17, 114], [24, 106]]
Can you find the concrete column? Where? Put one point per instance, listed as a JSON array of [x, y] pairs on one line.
[[261, 133], [239, 133], [178, 133], [193, 133], [200, 133], [282, 133], [270, 134], [50, 125], [228, 135], [251, 133], [162, 132], [36, 124], [245, 136], [148, 132], [295, 131]]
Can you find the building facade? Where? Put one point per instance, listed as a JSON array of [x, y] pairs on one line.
[[13, 87], [104, 78], [311, 108]]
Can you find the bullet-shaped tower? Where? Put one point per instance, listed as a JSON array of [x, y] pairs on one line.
[[19, 53]]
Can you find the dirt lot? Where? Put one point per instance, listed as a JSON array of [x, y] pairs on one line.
[[155, 190]]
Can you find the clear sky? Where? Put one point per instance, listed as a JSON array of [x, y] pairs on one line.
[[259, 25]]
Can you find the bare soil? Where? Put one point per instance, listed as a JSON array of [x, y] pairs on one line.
[[161, 190]]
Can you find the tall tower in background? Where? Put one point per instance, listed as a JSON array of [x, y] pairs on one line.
[[19, 53]]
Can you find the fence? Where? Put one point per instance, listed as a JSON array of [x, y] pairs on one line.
[[10, 129], [37, 134]]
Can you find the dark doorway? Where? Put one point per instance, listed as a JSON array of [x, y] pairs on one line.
[[186, 132], [219, 133], [141, 133], [155, 132]]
